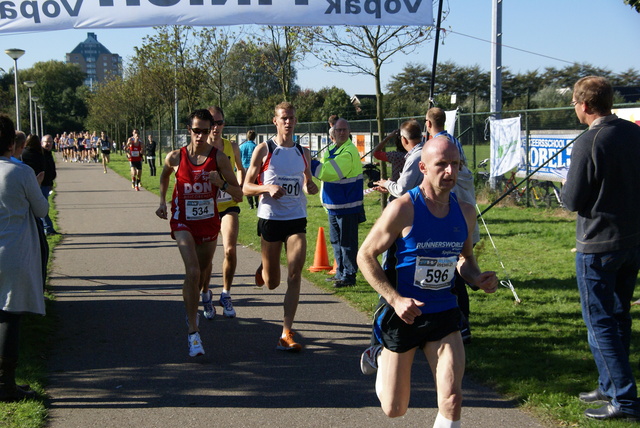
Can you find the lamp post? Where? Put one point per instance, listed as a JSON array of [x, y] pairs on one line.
[[30, 84], [15, 54], [35, 103], [41, 120]]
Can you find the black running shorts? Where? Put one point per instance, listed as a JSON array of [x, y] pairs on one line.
[[398, 336], [280, 230]]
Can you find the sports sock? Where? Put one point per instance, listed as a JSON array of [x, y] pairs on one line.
[[442, 422]]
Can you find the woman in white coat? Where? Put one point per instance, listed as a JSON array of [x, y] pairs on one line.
[[20, 264]]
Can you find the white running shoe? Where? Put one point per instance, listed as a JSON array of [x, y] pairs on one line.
[[195, 345], [369, 360], [227, 306]]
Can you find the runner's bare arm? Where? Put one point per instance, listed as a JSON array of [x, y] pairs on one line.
[[240, 171], [397, 217], [226, 171], [250, 187], [170, 163], [312, 187]]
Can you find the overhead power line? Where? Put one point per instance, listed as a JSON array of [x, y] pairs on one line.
[[510, 47]]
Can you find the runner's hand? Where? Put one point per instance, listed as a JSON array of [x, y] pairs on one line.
[[162, 211], [488, 281], [312, 188], [275, 191], [407, 309]]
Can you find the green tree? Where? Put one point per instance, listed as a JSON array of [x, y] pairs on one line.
[[62, 95], [634, 4], [217, 45], [364, 50], [280, 49]]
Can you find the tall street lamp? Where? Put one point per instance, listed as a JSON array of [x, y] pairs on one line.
[[41, 120], [35, 105], [15, 54], [30, 84]]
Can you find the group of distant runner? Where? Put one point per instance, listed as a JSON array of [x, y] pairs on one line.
[[79, 146], [85, 147]]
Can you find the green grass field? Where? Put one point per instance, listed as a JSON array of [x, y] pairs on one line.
[[535, 352]]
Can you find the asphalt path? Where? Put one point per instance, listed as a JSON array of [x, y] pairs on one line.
[[121, 358]]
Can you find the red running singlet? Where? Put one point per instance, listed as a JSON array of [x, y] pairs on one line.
[[193, 204]]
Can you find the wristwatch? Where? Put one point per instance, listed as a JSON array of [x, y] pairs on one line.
[[225, 186]]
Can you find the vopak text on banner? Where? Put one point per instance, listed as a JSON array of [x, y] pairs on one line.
[[43, 15]]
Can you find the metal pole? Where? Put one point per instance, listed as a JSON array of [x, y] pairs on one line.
[[15, 54], [30, 84], [35, 104], [41, 119], [435, 56]]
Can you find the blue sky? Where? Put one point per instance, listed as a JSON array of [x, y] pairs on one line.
[[605, 33]]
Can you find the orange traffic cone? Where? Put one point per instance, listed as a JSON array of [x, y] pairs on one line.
[[320, 259], [334, 268]]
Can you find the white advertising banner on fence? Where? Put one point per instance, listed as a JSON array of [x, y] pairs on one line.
[[541, 149], [450, 121], [631, 114], [44, 15], [505, 145]]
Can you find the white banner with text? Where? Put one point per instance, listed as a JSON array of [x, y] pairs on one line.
[[45, 15]]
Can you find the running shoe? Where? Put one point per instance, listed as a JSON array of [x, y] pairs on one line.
[[195, 345], [209, 310], [137, 188], [286, 343], [133, 185], [369, 360], [259, 279], [227, 306]]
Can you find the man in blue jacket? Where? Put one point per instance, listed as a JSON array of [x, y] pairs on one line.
[[602, 186], [342, 184]]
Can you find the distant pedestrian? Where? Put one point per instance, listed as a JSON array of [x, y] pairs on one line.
[[150, 153], [246, 150]]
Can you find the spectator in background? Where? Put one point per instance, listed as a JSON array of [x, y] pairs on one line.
[[20, 263], [150, 153], [394, 157], [602, 186], [246, 150], [18, 148], [49, 177], [342, 181], [410, 176]]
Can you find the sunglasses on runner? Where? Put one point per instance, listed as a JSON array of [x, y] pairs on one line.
[[200, 131], [217, 122]]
